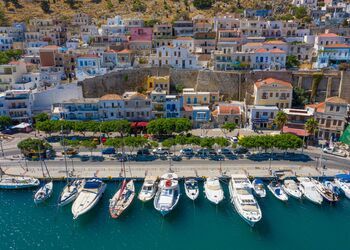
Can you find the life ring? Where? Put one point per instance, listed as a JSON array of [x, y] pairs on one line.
[[168, 183]]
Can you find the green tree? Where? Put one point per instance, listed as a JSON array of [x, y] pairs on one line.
[[292, 62], [207, 142], [48, 127], [116, 143], [138, 6], [203, 4], [5, 121], [300, 98], [222, 142], [32, 146], [134, 142], [89, 144], [281, 119], [181, 140], [3, 18], [228, 127], [168, 143], [300, 12], [311, 127], [45, 6], [41, 117]]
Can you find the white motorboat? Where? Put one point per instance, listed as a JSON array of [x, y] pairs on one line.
[[243, 200], [277, 191], [326, 193], [259, 188], [43, 193], [191, 188], [18, 182], [308, 189], [332, 186], [122, 199], [148, 189], [213, 190], [88, 197], [70, 192], [343, 183], [291, 188], [168, 194]]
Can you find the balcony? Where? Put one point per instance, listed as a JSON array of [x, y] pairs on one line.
[[18, 107]]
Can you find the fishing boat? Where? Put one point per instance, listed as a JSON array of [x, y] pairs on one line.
[[43, 193], [168, 193], [343, 182], [213, 190], [88, 197], [18, 182], [70, 192], [243, 200], [148, 189], [308, 189], [122, 199], [292, 189], [258, 187], [326, 193], [191, 188], [277, 191]]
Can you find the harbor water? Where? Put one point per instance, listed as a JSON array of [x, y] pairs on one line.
[[192, 225]]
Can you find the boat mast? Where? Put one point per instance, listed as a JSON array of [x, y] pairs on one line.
[[41, 163], [65, 154]]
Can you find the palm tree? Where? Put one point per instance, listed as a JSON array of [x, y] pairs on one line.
[[311, 126], [281, 119]]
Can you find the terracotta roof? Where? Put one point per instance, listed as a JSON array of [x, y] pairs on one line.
[[110, 97], [338, 45], [16, 62], [269, 81], [295, 131], [137, 95], [253, 44], [124, 51], [50, 47], [319, 107], [336, 99], [328, 35], [229, 110], [188, 108], [275, 42], [277, 51], [261, 50]]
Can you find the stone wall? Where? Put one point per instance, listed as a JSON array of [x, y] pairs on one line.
[[235, 85]]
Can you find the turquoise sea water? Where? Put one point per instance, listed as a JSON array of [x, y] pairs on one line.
[[198, 225]]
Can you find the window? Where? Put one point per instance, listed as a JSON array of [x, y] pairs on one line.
[[331, 108], [277, 94], [334, 122], [264, 113], [340, 123], [271, 94], [338, 108]]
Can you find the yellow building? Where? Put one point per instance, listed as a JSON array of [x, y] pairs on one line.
[[192, 97], [158, 82], [273, 92]]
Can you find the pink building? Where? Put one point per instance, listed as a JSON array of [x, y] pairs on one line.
[[141, 39]]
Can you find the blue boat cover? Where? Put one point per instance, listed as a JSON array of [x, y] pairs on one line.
[[94, 183], [258, 181], [278, 191], [343, 176]]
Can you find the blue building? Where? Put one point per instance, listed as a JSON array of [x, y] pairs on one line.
[[173, 106], [333, 55]]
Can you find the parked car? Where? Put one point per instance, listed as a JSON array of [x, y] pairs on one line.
[[84, 158], [225, 151], [216, 157], [143, 151], [108, 151], [8, 131], [203, 152], [161, 151], [70, 151], [335, 151], [176, 158], [241, 150], [234, 139], [187, 152]]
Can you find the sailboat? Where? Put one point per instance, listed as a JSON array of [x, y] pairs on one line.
[[45, 191], [123, 197], [71, 189], [308, 188], [88, 197], [17, 182], [148, 189], [326, 193]]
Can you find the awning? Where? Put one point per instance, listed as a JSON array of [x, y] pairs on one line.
[[295, 131], [345, 137], [139, 124], [21, 126]]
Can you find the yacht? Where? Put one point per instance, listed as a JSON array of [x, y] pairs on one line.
[[43, 193], [291, 188], [122, 199], [243, 200], [18, 182], [168, 194], [213, 190], [70, 192], [88, 197], [326, 193], [343, 182], [191, 188], [259, 189], [277, 191], [148, 189], [308, 189]]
